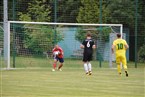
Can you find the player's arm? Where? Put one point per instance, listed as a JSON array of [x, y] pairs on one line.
[[126, 46], [94, 46], [61, 51], [81, 46], [53, 53], [112, 49], [113, 46]]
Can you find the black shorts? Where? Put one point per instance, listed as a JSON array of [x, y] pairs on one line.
[[61, 60], [87, 57]]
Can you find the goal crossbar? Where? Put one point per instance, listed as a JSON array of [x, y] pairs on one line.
[[70, 24], [7, 35]]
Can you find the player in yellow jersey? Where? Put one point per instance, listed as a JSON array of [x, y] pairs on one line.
[[120, 46]]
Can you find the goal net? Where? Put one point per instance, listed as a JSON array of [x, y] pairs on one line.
[[1, 44], [30, 44]]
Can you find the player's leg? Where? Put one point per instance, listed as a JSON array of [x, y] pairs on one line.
[[90, 68], [61, 60], [118, 64], [54, 64], [124, 65], [86, 68], [85, 64], [119, 68], [89, 64]]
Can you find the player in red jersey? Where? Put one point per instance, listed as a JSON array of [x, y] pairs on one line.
[[58, 56]]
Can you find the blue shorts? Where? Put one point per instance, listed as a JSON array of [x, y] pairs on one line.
[[61, 60]]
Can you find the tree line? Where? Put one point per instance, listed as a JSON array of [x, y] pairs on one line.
[[82, 11]]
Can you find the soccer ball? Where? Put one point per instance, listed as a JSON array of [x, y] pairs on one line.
[[56, 53]]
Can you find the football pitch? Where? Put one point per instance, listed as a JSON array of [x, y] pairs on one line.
[[71, 82]]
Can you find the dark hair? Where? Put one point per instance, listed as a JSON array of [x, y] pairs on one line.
[[118, 35], [88, 34]]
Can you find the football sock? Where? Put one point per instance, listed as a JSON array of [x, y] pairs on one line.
[[54, 65], [125, 67], [119, 68], [125, 71], [89, 66], [86, 67]]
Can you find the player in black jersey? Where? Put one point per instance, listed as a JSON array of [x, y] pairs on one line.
[[88, 45]]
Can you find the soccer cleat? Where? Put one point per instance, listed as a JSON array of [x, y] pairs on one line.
[[87, 73], [126, 73], [53, 69], [120, 74], [90, 73], [59, 69]]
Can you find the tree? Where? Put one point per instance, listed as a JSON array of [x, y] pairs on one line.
[[141, 31], [89, 12], [37, 11], [1, 37], [38, 38], [141, 24], [66, 10], [1, 11], [141, 53], [121, 11], [124, 12], [81, 33]]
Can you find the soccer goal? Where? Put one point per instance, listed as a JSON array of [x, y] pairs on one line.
[[27, 40]]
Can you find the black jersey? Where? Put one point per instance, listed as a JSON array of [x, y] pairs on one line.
[[88, 44], [88, 50]]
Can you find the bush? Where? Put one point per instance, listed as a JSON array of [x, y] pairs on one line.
[[141, 54]]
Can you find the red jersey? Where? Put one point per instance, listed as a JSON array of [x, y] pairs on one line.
[[60, 50]]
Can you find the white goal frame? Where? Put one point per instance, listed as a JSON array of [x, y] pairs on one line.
[[7, 34]]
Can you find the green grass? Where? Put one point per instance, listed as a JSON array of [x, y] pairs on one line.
[[43, 62], [36, 79], [71, 83]]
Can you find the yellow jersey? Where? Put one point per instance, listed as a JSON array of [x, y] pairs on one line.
[[119, 45]]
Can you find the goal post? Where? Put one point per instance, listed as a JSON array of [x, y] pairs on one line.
[[7, 37]]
